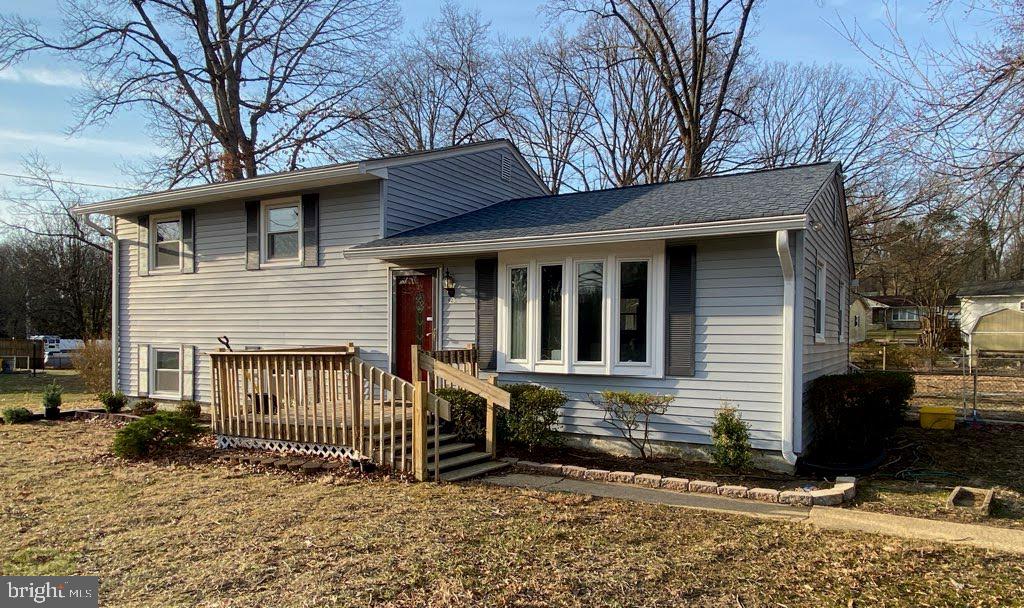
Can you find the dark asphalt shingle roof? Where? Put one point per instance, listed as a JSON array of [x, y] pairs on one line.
[[993, 288], [756, 194]]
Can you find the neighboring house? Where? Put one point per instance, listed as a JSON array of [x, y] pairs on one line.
[[887, 313], [992, 317], [727, 290], [860, 317]]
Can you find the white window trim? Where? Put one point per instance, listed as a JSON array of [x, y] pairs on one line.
[[592, 367], [153, 392], [265, 207], [652, 252], [153, 221], [821, 295], [554, 365], [842, 311]]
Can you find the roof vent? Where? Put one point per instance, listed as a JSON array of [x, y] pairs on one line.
[[506, 168]]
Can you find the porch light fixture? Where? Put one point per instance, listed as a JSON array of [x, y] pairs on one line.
[[448, 282]]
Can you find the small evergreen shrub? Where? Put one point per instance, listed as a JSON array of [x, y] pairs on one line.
[[531, 420], [190, 408], [156, 433], [144, 407], [17, 415], [469, 413], [854, 415], [52, 397], [731, 440], [113, 402]]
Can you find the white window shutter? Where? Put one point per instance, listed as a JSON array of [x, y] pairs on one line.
[[188, 382], [143, 352]]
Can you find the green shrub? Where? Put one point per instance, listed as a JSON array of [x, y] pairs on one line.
[[155, 433], [144, 407], [17, 415], [52, 396], [469, 413], [190, 408], [731, 440], [113, 402], [531, 420], [854, 415]]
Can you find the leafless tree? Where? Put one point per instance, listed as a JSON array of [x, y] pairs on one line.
[[231, 89], [548, 116], [439, 90], [41, 206], [694, 50]]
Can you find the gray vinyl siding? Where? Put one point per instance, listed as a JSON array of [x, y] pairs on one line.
[[425, 192], [738, 353], [338, 302], [831, 245]]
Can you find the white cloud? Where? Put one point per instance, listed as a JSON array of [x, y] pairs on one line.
[[95, 145], [43, 76]]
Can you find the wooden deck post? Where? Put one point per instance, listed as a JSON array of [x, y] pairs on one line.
[[491, 441], [415, 377], [419, 430]]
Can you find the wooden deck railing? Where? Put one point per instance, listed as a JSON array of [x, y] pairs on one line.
[[464, 359], [324, 400], [441, 374]]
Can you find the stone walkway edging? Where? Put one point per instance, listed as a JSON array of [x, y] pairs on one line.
[[844, 489]]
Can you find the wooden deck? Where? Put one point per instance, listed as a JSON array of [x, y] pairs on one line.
[[327, 401]]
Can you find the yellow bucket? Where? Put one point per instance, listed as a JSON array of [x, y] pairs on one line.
[[938, 417]]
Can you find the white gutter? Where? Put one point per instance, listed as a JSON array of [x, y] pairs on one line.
[[729, 227], [115, 284], [790, 394]]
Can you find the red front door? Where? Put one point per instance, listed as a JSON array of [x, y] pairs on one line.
[[414, 318]]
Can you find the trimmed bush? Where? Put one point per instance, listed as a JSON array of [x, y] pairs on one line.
[[154, 434], [113, 402], [529, 422], [190, 408], [93, 364], [532, 416], [144, 407], [854, 415], [469, 413], [17, 415], [731, 440]]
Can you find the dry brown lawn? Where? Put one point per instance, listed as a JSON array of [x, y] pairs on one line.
[[24, 389], [191, 532]]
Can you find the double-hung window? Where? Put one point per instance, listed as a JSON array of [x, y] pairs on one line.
[[587, 311], [166, 379], [282, 235], [165, 241]]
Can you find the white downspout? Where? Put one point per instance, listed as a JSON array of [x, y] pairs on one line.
[[115, 280], [782, 247]]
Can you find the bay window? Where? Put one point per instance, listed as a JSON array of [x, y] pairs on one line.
[[582, 310], [517, 313], [589, 311], [633, 291], [551, 312]]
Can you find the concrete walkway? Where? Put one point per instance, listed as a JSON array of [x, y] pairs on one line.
[[830, 518]]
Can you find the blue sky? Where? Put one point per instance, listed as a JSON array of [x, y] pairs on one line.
[[35, 112]]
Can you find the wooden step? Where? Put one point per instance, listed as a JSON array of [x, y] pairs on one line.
[[456, 462], [449, 450], [444, 437], [474, 470]]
